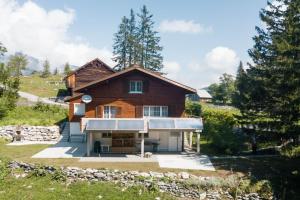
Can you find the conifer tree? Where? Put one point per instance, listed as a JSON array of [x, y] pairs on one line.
[[55, 72], [121, 45], [149, 50], [67, 69], [46, 69], [275, 75]]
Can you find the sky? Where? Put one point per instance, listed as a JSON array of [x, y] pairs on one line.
[[201, 39]]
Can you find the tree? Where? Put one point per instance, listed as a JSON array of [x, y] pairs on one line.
[[223, 91], [55, 72], [9, 87], [2, 49], [46, 69], [17, 63], [137, 44], [67, 69], [121, 45], [275, 75], [149, 50]]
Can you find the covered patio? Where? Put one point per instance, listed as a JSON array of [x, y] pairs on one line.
[[128, 134]]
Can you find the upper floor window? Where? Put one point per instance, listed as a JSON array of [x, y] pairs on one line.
[[155, 111], [136, 87], [110, 112], [79, 109]]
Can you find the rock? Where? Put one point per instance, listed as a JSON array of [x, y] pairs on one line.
[[202, 195], [144, 174], [170, 175], [184, 175]]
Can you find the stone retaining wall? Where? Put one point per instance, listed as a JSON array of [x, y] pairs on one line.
[[31, 133], [179, 185]]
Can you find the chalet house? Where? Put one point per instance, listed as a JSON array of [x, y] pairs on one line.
[[130, 111], [201, 95]]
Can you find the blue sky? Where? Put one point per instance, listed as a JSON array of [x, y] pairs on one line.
[[201, 38]]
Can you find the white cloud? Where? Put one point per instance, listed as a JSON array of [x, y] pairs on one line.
[[183, 26], [222, 59], [171, 68], [44, 34]]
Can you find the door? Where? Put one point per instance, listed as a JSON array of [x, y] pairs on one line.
[[163, 141], [174, 141]]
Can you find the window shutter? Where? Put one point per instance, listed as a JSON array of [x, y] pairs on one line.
[[125, 86], [145, 86], [138, 111], [99, 111]]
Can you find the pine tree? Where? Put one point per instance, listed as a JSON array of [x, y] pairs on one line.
[[67, 69], [132, 40], [55, 72], [137, 44], [121, 45], [275, 75], [149, 50], [17, 63], [46, 69]]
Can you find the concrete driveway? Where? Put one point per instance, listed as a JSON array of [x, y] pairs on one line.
[[63, 150], [185, 161]]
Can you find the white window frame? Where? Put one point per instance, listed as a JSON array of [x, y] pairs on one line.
[[109, 111], [160, 111], [135, 91], [80, 114]]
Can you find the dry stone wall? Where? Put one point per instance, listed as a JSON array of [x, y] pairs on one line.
[[31, 133]]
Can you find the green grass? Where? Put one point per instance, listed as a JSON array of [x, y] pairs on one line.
[[42, 87], [22, 115], [44, 188]]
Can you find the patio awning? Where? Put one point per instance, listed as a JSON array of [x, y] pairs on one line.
[[115, 125], [175, 124], [142, 124]]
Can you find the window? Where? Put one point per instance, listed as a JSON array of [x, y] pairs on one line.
[[106, 135], [155, 111], [110, 112], [79, 109], [146, 135], [136, 87]]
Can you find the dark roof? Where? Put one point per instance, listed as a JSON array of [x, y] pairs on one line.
[[88, 63], [138, 68]]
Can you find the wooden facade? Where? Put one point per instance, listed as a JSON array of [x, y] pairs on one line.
[[94, 70], [115, 92]]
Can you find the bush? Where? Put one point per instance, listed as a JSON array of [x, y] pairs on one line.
[[291, 151], [193, 109], [4, 171], [218, 128]]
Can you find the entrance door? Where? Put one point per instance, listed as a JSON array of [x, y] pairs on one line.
[[123, 143], [163, 141], [174, 141]]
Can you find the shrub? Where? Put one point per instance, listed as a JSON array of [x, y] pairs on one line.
[[193, 109], [218, 128], [58, 175], [291, 151]]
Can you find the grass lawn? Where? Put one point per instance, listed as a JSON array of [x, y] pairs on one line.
[[43, 87], [45, 188], [22, 115]]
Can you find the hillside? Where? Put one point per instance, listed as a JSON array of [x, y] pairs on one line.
[[44, 87]]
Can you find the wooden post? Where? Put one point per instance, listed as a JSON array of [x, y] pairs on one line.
[[87, 144], [191, 140], [142, 145], [198, 142]]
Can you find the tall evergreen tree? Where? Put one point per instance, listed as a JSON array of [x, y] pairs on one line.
[[137, 44], [67, 68], [55, 72], [46, 69], [275, 75], [149, 50], [121, 45], [17, 63]]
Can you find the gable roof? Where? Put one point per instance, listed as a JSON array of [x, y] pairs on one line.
[[138, 68], [204, 94], [87, 64]]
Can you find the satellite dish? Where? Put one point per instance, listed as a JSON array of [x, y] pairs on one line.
[[86, 98]]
